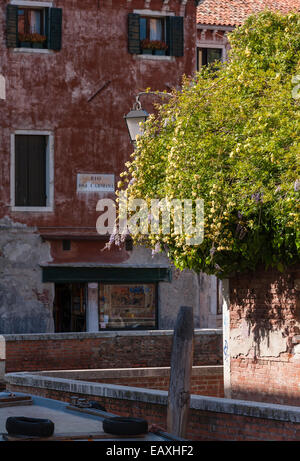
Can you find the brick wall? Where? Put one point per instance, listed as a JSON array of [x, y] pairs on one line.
[[264, 336], [205, 380], [202, 385], [67, 351], [210, 418]]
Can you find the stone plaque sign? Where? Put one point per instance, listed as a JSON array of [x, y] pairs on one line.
[[95, 182]]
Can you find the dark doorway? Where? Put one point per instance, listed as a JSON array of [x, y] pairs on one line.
[[70, 307]]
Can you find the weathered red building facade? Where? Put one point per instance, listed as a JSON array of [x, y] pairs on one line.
[[72, 70]]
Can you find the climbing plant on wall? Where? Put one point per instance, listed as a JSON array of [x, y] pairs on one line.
[[232, 138]]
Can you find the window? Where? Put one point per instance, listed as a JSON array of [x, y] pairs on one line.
[[165, 29], [33, 27], [30, 21], [32, 188], [127, 306], [152, 29], [207, 56], [30, 171]]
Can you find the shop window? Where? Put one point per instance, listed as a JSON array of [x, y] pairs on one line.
[[70, 307], [131, 306], [207, 56], [168, 30], [39, 27]]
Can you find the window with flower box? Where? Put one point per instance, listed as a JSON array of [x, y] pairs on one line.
[[33, 26], [155, 34]]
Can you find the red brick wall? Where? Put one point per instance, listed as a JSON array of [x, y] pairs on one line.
[[203, 425], [210, 384], [264, 304], [206, 426], [82, 351]]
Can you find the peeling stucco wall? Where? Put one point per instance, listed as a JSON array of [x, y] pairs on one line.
[[188, 289], [25, 302], [244, 343]]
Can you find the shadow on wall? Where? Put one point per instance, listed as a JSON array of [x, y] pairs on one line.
[[268, 302], [266, 395]]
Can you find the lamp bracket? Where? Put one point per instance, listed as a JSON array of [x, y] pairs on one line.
[[138, 106]]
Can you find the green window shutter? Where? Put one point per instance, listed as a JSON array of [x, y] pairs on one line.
[[21, 171], [37, 170], [175, 35], [11, 26], [30, 170], [134, 46], [55, 28]]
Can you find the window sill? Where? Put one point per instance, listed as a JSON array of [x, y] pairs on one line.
[[153, 57], [34, 209], [33, 50]]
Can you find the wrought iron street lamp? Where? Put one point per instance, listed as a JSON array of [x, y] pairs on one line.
[[137, 115], [134, 118]]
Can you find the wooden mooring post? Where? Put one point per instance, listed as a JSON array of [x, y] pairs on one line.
[[180, 374]]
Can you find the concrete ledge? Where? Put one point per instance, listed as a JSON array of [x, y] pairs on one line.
[[247, 408], [115, 373], [103, 334], [33, 50], [201, 403], [87, 388]]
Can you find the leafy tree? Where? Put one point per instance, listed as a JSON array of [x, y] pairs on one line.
[[232, 138]]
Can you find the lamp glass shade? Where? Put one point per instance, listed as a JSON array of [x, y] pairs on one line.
[[133, 120]]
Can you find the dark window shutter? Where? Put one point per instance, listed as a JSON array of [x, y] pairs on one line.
[[47, 25], [21, 171], [55, 28], [30, 170], [134, 46], [37, 171], [11, 26], [175, 35]]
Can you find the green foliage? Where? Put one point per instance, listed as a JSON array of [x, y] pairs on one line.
[[232, 138]]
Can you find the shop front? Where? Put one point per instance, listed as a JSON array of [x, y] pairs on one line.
[[106, 298]]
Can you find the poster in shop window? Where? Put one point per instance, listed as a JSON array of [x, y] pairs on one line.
[[130, 296]]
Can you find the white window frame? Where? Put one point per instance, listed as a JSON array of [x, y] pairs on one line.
[[31, 4], [49, 171], [153, 13]]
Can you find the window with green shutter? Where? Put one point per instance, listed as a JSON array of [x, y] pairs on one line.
[[30, 171], [33, 27], [158, 35]]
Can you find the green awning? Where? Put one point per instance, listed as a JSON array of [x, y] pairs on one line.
[[59, 274]]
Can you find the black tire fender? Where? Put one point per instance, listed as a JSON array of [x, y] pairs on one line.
[[120, 425], [21, 425]]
